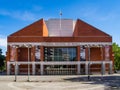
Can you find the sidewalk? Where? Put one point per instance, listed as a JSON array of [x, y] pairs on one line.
[[72, 82]]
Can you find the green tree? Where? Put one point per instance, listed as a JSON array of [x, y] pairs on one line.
[[116, 50], [2, 59]]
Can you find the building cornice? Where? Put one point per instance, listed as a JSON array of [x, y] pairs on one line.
[[60, 43]]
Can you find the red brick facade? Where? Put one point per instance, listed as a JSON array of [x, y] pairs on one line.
[[39, 33]]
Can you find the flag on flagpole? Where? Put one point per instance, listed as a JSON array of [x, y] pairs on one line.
[[60, 13]]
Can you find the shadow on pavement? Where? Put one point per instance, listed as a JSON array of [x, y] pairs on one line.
[[3, 73], [110, 82]]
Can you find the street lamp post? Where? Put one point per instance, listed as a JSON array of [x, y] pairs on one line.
[[89, 63], [15, 65], [28, 63], [101, 63], [15, 71], [102, 71]]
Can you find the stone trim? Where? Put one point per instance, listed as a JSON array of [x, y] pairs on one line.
[[60, 43]]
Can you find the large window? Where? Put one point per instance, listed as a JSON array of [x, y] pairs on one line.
[[59, 54]]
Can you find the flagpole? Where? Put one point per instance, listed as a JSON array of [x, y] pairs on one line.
[[60, 21]]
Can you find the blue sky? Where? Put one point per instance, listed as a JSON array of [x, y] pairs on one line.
[[16, 14]]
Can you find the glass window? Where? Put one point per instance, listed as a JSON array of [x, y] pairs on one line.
[[59, 54]]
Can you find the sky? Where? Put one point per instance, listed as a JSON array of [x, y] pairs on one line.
[[16, 14]]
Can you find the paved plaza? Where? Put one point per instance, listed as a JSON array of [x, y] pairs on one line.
[[71, 82]]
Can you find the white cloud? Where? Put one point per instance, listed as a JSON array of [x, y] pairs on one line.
[[22, 15], [88, 12], [4, 12], [1, 26], [97, 14], [109, 16], [3, 41], [36, 8], [26, 16]]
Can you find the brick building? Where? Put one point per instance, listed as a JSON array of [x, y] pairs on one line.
[[59, 46]]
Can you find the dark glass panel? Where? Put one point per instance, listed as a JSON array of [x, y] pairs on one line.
[[60, 54]]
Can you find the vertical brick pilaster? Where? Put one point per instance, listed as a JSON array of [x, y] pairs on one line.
[[78, 53], [41, 53], [33, 53], [112, 57], [103, 53], [8, 53], [16, 55], [7, 57], [110, 52]]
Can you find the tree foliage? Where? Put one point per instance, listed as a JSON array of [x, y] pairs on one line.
[[2, 59], [116, 50]]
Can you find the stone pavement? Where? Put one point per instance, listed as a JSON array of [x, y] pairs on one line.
[[71, 82]]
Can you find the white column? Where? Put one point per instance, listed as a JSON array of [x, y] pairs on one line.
[[33, 68], [78, 68], [8, 68], [103, 67], [41, 68], [101, 52], [86, 68], [16, 68], [110, 67]]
